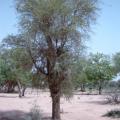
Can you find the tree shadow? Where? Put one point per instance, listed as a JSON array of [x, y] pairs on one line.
[[46, 118], [102, 102], [17, 96], [13, 115], [19, 115], [5, 96], [84, 93]]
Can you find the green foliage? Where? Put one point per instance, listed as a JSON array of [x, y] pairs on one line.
[[79, 74], [6, 70], [116, 62], [77, 12], [14, 66], [66, 22], [67, 89], [100, 68]]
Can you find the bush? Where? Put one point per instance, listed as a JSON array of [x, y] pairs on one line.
[[113, 96], [35, 113], [113, 114]]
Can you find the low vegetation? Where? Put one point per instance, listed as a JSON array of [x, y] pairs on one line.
[[113, 114], [35, 113]]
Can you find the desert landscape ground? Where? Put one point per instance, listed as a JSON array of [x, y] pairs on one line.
[[80, 107]]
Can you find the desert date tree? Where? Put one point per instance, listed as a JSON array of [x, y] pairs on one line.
[[14, 69], [99, 70], [52, 31]]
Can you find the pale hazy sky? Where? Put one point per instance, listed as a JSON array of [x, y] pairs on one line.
[[106, 36]]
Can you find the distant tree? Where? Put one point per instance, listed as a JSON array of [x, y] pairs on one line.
[[99, 70], [18, 69], [52, 33], [7, 84], [79, 75], [116, 62]]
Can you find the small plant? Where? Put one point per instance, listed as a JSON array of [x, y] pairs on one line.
[[113, 97], [35, 113], [113, 114]]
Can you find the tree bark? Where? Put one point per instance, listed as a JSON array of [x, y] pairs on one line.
[[23, 91], [82, 87], [55, 95], [56, 106], [100, 90], [20, 92], [19, 88], [100, 86]]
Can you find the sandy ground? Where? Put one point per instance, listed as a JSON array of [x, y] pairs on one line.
[[80, 107]]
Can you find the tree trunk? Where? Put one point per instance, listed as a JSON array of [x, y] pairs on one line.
[[19, 88], [56, 106], [100, 90], [20, 92], [55, 95], [100, 87], [23, 91], [82, 87]]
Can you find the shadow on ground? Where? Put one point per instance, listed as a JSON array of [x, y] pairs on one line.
[[6, 96], [3, 96], [17, 115], [13, 115]]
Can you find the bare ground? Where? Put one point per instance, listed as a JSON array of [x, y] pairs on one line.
[[80, 107]]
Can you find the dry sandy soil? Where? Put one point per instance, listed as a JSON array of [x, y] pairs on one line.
[[80, 107]]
